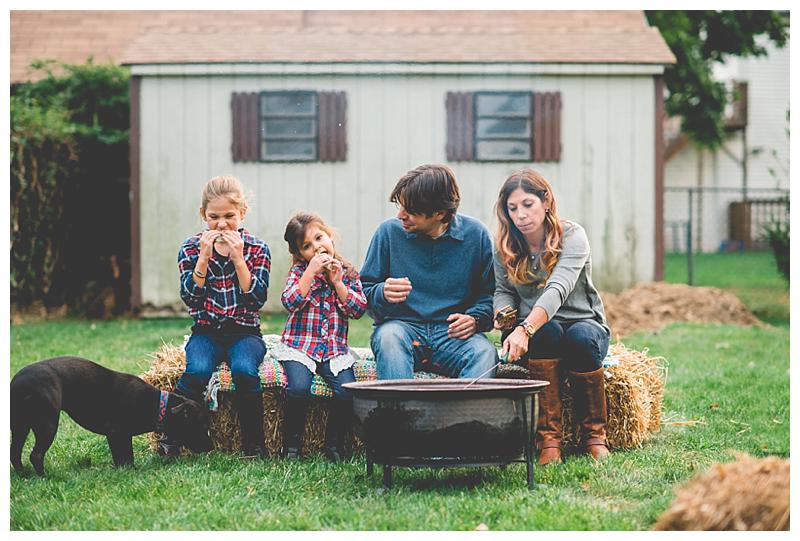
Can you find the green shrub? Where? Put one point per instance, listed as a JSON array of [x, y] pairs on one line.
[[777, 234], [70, 223]]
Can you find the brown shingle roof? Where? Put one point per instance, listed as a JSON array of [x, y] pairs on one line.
[[333, 36]]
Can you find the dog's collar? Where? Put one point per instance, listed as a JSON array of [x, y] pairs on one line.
[[162, 411]]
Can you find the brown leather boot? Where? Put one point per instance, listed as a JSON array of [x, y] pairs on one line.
[[549, 429], [589, 399]]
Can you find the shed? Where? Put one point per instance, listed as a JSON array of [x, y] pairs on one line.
[[325, 110]]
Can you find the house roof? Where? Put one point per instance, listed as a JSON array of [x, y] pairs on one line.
[[174, 37]]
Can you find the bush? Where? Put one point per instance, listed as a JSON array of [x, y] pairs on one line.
[[70, 223], [777, 234]]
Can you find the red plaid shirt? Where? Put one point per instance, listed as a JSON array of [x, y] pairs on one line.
[[220, 300], [317, 323]]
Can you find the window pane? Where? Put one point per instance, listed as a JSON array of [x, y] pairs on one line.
[[503, 127], [288, 127], [492, 104], [503, 150], [288, 103], [288, 150]]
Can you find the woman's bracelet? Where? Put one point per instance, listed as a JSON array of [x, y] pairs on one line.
[[199, 274], [529, 329]]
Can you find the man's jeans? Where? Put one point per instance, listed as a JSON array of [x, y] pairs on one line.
[[244, 352], [402, 348]]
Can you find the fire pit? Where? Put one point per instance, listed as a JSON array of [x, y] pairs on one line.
[[444, 422]]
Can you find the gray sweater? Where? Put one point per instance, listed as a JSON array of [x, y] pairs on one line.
[[568, 295]]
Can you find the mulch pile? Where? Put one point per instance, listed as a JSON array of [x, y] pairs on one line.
[[747, 494], [651, 306]]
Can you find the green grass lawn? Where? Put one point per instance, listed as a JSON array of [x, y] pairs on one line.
[[730, 383]]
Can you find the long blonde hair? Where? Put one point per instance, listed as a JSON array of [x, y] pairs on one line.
[[511, 243]]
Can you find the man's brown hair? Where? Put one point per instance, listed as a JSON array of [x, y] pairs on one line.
[[428, 189]]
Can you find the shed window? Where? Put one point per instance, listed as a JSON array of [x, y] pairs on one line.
[[504, 126], [288, 126]]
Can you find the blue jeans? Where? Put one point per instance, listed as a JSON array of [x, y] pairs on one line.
[[244, 352], [402, 348], [299, 380], [581, 345]]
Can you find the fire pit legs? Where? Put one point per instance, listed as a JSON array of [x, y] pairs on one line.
[[528, 438]]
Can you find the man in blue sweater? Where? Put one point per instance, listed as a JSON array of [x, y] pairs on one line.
[[429, 280]]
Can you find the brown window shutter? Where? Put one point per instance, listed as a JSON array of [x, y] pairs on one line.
[[332, 143], [546, 127], [244, 112], [460, 124]]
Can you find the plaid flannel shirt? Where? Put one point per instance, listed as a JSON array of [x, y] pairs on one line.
[[220, 300], [317, 323]]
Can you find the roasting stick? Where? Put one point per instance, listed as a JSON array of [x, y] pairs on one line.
[[503, 359]]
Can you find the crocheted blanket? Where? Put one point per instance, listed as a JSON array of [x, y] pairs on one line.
[[272, 374]]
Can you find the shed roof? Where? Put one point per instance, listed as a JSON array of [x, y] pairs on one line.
[[171, 37]]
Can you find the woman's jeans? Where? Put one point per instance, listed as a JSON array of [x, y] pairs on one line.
[[581, 345], [244, 353], [299, 379], [402, 348]]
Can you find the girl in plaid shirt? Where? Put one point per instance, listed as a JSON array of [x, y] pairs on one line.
[[322, 292], [224, 274]]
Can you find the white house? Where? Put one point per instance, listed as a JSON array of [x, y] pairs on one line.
[[326, 110], [764, 132]]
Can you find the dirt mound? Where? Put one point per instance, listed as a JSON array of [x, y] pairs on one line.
[[651, 306]]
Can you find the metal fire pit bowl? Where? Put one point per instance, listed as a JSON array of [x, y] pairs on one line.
[[444, 423]]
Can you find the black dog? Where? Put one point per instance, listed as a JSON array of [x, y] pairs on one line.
[[103, 401]]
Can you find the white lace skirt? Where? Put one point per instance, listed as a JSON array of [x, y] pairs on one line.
[[282, 352]]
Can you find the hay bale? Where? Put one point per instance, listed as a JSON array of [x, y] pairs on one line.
[[634, 390], [747, 494], [168, 364], [634, 393]]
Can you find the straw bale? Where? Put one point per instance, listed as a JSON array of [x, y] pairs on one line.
[[747, 494], [168, 364], [634, 393]]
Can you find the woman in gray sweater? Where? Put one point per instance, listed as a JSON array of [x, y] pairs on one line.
[[543, 269]]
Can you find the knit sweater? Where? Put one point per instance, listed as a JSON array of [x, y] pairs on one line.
[[452, 273], [568, 294]]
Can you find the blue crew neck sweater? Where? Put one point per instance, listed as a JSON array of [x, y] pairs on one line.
[[450, 274]]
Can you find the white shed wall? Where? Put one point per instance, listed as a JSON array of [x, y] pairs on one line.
[[605, 179]]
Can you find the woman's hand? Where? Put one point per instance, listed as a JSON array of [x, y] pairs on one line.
[[235, 243], [515, 344]]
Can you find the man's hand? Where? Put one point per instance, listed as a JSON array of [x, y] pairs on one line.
[[461, 326], [396, 289]]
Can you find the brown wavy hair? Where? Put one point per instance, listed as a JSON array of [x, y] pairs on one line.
[[511, 244], [296, 232]]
